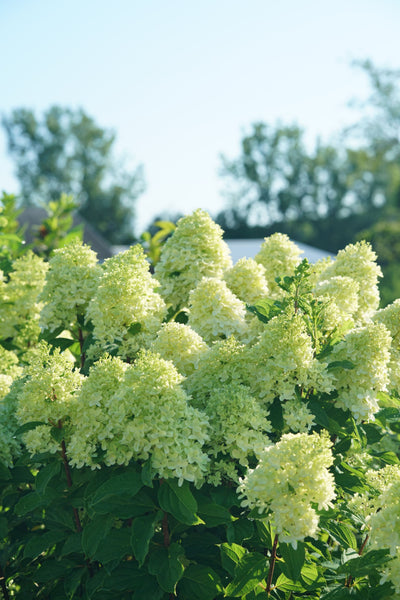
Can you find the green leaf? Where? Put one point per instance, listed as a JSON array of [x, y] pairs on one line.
[[166, 565], [28, 503], [134, 328], [214, 514], [125, 484], [3, 527], [310, 577], [72, 582], [364, 564], [276, 415], [249, 572], [73, 544], [41, 542], [115, 546], [341, 364], [148, 589], [231, 555], [239, 530], [50, 570], [285, 584], [199, 582], [58, 434], [5, 474], [179, 501], [94, 533], [46, 474], [293, 559], [341, 533], [141, 534], [147, 474], [28, 427], [63, 343]]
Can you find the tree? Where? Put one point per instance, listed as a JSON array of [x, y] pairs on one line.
[[324, 195], [66, 152]]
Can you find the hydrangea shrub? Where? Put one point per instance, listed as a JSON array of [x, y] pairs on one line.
[[210, 431]]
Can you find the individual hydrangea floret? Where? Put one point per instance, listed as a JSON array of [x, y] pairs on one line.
[[291, 476], [238, 428], [390, 317], [358, 261], [125, 309], [215, 312], [195, 250], [181, 344], [283, 359], [367, 350], [70, 283], [280, 256], [246, 279], [223, 364], [47, 395]]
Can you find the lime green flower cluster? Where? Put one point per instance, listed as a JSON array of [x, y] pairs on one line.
[[9, 370], [10, 448], [215, 312], [368, 348], [297, 416], [291, 476], [283, 359], [385, 531], [279, 255], [125, 297], [222, 365], [390, 317], [246, 279], [70, 283], [238, 430], [195, 250], [142, 412], [180, 344], [20, 308], [358, 261], [47, 395], [341, 294]]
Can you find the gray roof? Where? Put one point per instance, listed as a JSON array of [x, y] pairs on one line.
[[249, 248], [33, 216]]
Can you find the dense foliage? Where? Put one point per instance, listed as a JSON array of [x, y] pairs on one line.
[[210, 431], [64, 151]]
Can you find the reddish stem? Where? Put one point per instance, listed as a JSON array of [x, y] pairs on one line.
[[167, 539], [272, 561]]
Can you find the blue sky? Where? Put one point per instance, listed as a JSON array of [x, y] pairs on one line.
[[180, 81]]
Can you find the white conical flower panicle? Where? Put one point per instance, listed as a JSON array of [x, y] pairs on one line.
[[390, 317], [215, 312], [367, 349], [70, 284], [125, 308], [280, 256], [358, 261], [180, 344], [291, 476], [195, 250], [246, 279]]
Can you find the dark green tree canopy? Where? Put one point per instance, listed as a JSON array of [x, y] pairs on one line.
[[65, 151], [326, 194]]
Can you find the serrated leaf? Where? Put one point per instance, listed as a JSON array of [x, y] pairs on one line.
[[125, 484], [214, 514], [141, 534], [62, 343], [293, 559], [166, 565], [231, 555], [43, 541], [45, 475], [94, 533], [134, 328], [28, 427], [341, 533], [199, 582], [114, 546], [364, 564], [179, 501], [249, 572]]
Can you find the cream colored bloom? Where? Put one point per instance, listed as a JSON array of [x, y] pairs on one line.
[[279, 256], [195, 250], [246, 279], [181, 344]]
